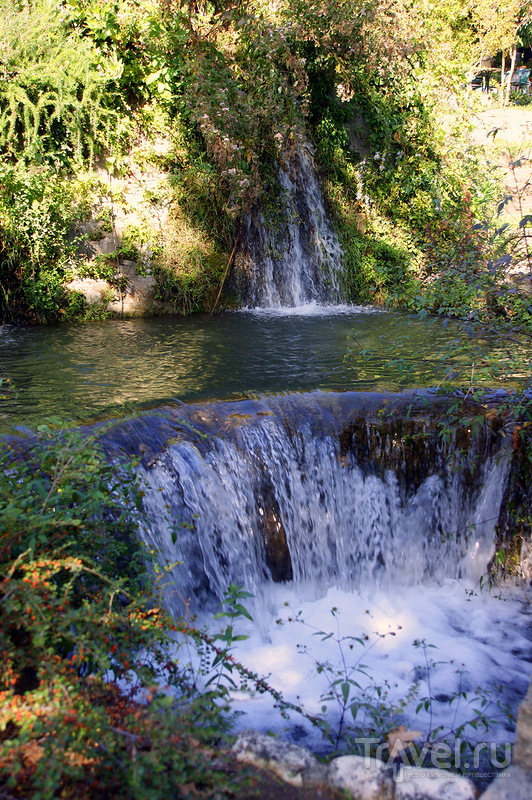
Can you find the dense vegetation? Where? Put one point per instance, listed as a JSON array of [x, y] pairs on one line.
[[88, 89], [86, 656]]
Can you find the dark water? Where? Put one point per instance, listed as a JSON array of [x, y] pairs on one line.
[[114, 367]]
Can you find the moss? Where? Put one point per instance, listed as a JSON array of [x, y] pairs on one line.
[[514, 527]]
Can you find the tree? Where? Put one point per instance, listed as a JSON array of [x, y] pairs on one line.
[[496, 25]]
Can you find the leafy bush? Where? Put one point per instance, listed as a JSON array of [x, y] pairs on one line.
[[36, 213], [83, 649], [54, 92]]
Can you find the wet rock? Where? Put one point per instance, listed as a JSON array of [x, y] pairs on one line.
[[513, 784], [290, 763], [364, 778], [416, 783], [136, 299], [523, 742]]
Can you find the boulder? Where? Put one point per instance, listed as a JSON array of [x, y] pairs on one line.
[[523, 740], [136, 300], [290, 763], [512, 784], [364, 778], [515, 783], [417, 783], [94, 290]]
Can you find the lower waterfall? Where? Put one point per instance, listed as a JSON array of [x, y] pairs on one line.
[[358, 515], [308, 489]]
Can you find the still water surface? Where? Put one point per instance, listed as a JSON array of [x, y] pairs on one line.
[[113, 367]]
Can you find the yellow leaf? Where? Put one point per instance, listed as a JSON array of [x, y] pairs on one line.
[[400, 738]]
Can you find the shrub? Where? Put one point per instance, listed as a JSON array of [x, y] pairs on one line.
[[54, 96], [82, 713], [36, 212]]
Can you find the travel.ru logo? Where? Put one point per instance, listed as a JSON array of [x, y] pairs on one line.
[[462, 757]]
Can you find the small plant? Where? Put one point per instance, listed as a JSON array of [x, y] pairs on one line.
[[486, 711], [366, 721], [359, 710]]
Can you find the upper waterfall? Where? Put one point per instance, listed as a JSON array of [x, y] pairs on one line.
[[290, 257]]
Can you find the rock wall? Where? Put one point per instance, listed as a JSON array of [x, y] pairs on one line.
[[136, 200]]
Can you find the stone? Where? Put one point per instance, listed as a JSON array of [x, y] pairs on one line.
[[515, 783], [365, 778], [523, 740], [106, 246], [512, 784], [137, 299], [292, 764], [417, 783], [95, 291]]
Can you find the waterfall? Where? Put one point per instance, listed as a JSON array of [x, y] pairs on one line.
[[291, 255], [320, 490]]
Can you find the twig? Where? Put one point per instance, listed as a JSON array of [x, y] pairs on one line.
[[231, 257]]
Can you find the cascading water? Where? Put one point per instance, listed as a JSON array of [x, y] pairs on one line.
[[305, 488], [291, 257], [350, 502]]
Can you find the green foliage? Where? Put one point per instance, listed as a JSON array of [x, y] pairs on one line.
[[41, 222], [82, 711], [375, 117], [197, 191], [36, 213], [73, 501], [54, 86], [147, 41], [190, 267]]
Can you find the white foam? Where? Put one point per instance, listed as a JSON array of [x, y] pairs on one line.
[[480, 640], [313, 309]]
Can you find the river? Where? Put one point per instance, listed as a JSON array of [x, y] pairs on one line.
[[82, 372]]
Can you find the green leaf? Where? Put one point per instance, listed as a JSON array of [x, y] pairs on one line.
[[243, 612]]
